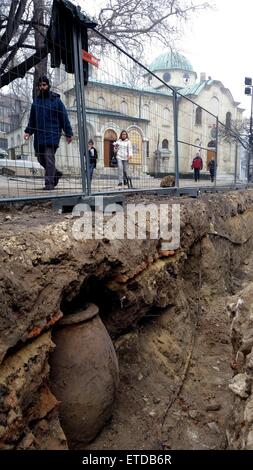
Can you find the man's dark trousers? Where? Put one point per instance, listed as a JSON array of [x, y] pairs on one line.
[[46, 157], [196, 174]]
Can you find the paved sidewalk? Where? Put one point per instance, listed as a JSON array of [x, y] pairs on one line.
[[13, 187]]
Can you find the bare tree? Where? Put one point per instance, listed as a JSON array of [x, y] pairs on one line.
[[237, 131], [13, 33], [130, 23], [21, 38]]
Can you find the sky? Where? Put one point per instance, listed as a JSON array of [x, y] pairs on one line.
[[218, 42]]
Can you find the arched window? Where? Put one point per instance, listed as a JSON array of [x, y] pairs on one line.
[[124, 107], [198, 116], [101, 102], [166, 116], [145, 111], [136, 140], [167, 77], [214, 106], [228, 119], [165, 144], [150, 79], [186, 77]]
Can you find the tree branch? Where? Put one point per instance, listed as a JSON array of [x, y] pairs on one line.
[[20, 70], [15, 48], [13, 24]]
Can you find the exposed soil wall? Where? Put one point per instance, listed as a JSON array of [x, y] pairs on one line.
[[240, 428], [166, 315]]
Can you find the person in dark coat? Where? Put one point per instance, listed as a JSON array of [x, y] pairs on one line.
[[212, 168], [197, 165], [48, 117], [93, 155]]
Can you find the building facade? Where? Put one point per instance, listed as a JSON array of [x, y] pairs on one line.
[[146, 112]]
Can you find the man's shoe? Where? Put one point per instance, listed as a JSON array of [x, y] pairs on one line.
[[57, 177], [48, 188], [120, 184]]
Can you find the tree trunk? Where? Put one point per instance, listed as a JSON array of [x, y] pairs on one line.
[[41, 67]]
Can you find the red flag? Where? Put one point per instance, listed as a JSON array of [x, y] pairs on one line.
[[90, 58]]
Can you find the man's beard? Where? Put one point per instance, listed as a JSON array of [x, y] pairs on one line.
[[44, 93]]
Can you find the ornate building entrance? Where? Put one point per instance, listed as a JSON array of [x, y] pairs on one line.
[[109, 137]]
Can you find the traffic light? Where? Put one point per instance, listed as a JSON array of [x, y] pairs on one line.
[[247, 90], [248, 81]]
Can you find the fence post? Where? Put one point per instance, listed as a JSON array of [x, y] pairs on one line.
[[217, 145], [81, 115], [249, 164], [236, 158], [175, 121]]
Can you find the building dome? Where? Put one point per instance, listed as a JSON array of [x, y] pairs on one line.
[[171, 60]]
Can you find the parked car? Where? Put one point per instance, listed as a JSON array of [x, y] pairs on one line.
[[3, 153], [20, 167], [22, 156]]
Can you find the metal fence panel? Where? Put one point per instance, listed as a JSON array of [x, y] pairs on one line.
[[122, 95], [166, 129]]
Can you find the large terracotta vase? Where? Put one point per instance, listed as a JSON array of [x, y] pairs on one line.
[[84, 375]]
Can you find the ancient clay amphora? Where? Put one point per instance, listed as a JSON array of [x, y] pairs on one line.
[[84, 375]]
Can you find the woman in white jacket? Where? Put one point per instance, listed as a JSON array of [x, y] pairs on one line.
[[123, 150]]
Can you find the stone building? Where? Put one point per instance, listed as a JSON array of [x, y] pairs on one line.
[[145, 110], [10, 111]]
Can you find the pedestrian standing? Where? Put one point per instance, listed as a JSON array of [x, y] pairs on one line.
[[123, 151], [93, 155], [212, 168], [197, 165]]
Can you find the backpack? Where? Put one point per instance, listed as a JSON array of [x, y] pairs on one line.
[[197, 163]]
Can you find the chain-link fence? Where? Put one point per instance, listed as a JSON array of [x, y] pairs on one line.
[[66, 142], [36, 135]]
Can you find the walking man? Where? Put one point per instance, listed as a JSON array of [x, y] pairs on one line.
[[48, 117]]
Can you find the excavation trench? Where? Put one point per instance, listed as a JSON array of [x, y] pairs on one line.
[[166, 336]]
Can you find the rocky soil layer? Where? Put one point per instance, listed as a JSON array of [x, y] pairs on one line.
[[240, 311]]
